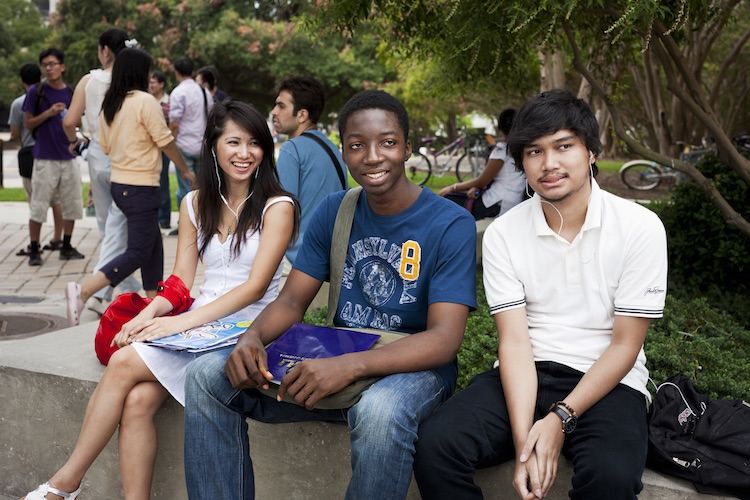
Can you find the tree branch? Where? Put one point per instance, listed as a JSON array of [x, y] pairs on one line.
[[732, 217], [730, 59]]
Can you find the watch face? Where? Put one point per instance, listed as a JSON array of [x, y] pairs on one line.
[[569, 422], [569, 425]]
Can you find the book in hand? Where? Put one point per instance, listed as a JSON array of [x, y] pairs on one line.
[[302, 341], [206, 337]]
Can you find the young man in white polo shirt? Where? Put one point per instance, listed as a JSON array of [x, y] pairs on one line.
[[573, 278]]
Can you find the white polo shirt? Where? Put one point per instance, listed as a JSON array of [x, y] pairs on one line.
[[617, 264]]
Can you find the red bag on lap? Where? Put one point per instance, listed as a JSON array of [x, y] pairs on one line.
[[127, 306], [124, 308]]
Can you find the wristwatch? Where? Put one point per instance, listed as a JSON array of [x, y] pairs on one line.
[[569, 420]]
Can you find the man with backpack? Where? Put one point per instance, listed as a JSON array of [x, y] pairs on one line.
[[309, 165], [30, 75], [56, 172]]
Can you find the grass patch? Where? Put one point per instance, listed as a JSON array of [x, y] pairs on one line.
[[12, 194], [609, 165]]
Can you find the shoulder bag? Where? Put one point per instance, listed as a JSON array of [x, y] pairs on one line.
[[342, 227]]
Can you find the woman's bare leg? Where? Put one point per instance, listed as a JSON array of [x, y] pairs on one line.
[[103, 413], [137, 442]]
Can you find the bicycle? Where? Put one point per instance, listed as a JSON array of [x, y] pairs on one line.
[[474, 149], [643, 175]]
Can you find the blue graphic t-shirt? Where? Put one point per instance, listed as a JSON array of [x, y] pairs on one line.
[[397, 265]]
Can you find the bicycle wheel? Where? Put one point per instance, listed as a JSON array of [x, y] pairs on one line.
[[472, 163], [418, 168], [641, 175]]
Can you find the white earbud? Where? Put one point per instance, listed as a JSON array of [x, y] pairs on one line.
[[591, 156]]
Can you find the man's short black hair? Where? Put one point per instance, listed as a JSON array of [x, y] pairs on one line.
[[159, 76], [30, 74], [52, 51], [209, 76], [548, 113], [374, 99], [307, 93], [184, 66]]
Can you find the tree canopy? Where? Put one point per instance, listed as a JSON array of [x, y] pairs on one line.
[[666, 72], [252, 44]]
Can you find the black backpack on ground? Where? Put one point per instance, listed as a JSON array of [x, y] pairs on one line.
[[703, 440]]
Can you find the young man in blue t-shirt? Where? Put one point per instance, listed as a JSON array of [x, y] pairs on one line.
[[406, 270]]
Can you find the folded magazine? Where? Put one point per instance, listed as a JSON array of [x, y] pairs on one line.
[[207, 337], [302, 341]]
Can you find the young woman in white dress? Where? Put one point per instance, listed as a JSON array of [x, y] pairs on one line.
[[239, 222]]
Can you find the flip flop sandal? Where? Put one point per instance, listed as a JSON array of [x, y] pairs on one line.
[[25, 252], [43, 489], [53, 245]]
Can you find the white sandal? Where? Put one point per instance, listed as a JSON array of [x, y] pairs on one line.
[[43, 489]]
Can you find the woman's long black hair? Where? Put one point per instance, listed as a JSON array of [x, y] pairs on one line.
[[130, 72], [264, 186]]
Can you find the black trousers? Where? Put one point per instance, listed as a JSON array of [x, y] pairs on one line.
[[472, 430]]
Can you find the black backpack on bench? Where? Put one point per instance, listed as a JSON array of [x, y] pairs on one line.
[[703, 440]]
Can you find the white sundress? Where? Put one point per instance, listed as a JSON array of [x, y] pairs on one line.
[[222, 275]]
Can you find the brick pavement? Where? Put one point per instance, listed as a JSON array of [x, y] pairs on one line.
[[41, 289]]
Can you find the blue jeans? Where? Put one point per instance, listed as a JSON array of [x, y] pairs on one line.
[[165, 210], [383, 428], [472, 431], [183, 187]]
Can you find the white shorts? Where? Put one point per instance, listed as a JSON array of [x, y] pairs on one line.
[[56, 180]]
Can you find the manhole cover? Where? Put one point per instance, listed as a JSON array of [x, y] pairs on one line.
[[23, 325]]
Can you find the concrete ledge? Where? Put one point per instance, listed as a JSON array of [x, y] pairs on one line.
[[45, 384]]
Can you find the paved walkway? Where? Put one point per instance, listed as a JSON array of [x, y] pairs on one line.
[[41, 289]]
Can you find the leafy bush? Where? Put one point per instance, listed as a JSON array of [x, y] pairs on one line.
[[708, 257], [705, 344]]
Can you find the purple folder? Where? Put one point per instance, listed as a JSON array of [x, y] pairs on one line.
[[302, 341]]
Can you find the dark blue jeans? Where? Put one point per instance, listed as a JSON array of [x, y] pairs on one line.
[[472, 431], [140, 204]]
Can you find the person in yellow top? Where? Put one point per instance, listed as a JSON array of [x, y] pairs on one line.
[[133, 133]]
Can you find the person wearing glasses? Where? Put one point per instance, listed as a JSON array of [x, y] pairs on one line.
[[55, 170]]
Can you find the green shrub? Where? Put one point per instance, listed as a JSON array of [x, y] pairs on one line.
[[705, 344], [708, 257]]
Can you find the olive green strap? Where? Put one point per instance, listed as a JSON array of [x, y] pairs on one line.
[[342, 228]]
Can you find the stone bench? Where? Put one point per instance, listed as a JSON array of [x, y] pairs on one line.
[[46, 381]]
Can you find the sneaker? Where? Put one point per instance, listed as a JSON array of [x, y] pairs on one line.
[[173, 232], [35, 259], [165, 225], [70, 254]]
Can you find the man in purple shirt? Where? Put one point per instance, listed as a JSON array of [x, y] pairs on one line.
[[189, 105], [55, 169]]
